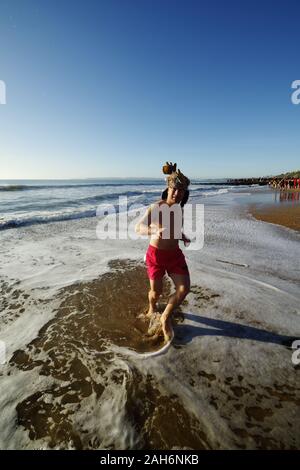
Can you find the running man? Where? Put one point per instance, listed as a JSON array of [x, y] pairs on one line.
[[163, 223]]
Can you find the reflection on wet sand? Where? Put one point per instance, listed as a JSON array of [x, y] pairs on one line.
[[288, 195]]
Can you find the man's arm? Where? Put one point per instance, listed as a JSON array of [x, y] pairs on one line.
[[184, 238]]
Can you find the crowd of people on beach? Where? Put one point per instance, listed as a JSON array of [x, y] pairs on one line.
[[285, 183]]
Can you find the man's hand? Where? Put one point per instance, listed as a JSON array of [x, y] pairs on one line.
[[185, 240], [157, 231]]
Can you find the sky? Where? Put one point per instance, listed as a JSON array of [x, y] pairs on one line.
[[114, 88]]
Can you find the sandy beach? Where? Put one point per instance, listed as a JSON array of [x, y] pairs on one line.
[[76, 377], [288, 216]]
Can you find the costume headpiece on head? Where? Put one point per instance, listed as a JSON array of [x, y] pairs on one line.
[[176, 179]]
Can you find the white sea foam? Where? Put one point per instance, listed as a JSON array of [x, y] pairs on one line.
[[214, 193]]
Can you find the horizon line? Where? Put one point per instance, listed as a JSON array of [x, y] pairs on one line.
[[140, 178]]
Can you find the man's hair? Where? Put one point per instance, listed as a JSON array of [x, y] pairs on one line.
[[164, 196]]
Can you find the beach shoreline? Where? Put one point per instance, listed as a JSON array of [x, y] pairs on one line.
[[286, 215]]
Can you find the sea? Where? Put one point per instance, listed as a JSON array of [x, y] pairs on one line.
[[27, 202]]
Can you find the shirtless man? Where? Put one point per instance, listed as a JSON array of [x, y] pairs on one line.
[[163, 254]]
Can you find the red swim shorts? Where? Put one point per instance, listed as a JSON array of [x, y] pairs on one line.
[[159, 261]]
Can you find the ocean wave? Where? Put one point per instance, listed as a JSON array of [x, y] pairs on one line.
[[158, 182], [26, 187], [101, 197], [28, 211], [57, 203], [44, 219], [154, 191], [13, 187], [65, 210], [209, 192]]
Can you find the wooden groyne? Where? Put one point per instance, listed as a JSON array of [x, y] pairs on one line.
[[275, 182], [249, 181]]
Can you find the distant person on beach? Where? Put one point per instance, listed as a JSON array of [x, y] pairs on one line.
[[163, 223]]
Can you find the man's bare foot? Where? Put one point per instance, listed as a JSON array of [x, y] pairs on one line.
[[147, 313], [154, 324], [166, 327]]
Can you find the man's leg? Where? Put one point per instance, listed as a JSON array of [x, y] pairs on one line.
[[155, 291], [182, 285]]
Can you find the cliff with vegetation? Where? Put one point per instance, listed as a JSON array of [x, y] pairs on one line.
[[289, 174]]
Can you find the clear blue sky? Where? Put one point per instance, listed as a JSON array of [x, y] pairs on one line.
[[116, 88]]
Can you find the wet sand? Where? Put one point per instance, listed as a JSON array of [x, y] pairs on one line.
[[76, 351], [286, 215], [80, 374]]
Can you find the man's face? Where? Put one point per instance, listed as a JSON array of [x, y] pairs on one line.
[[175, 195]]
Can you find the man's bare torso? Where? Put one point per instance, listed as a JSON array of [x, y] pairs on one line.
[[170, 221]]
